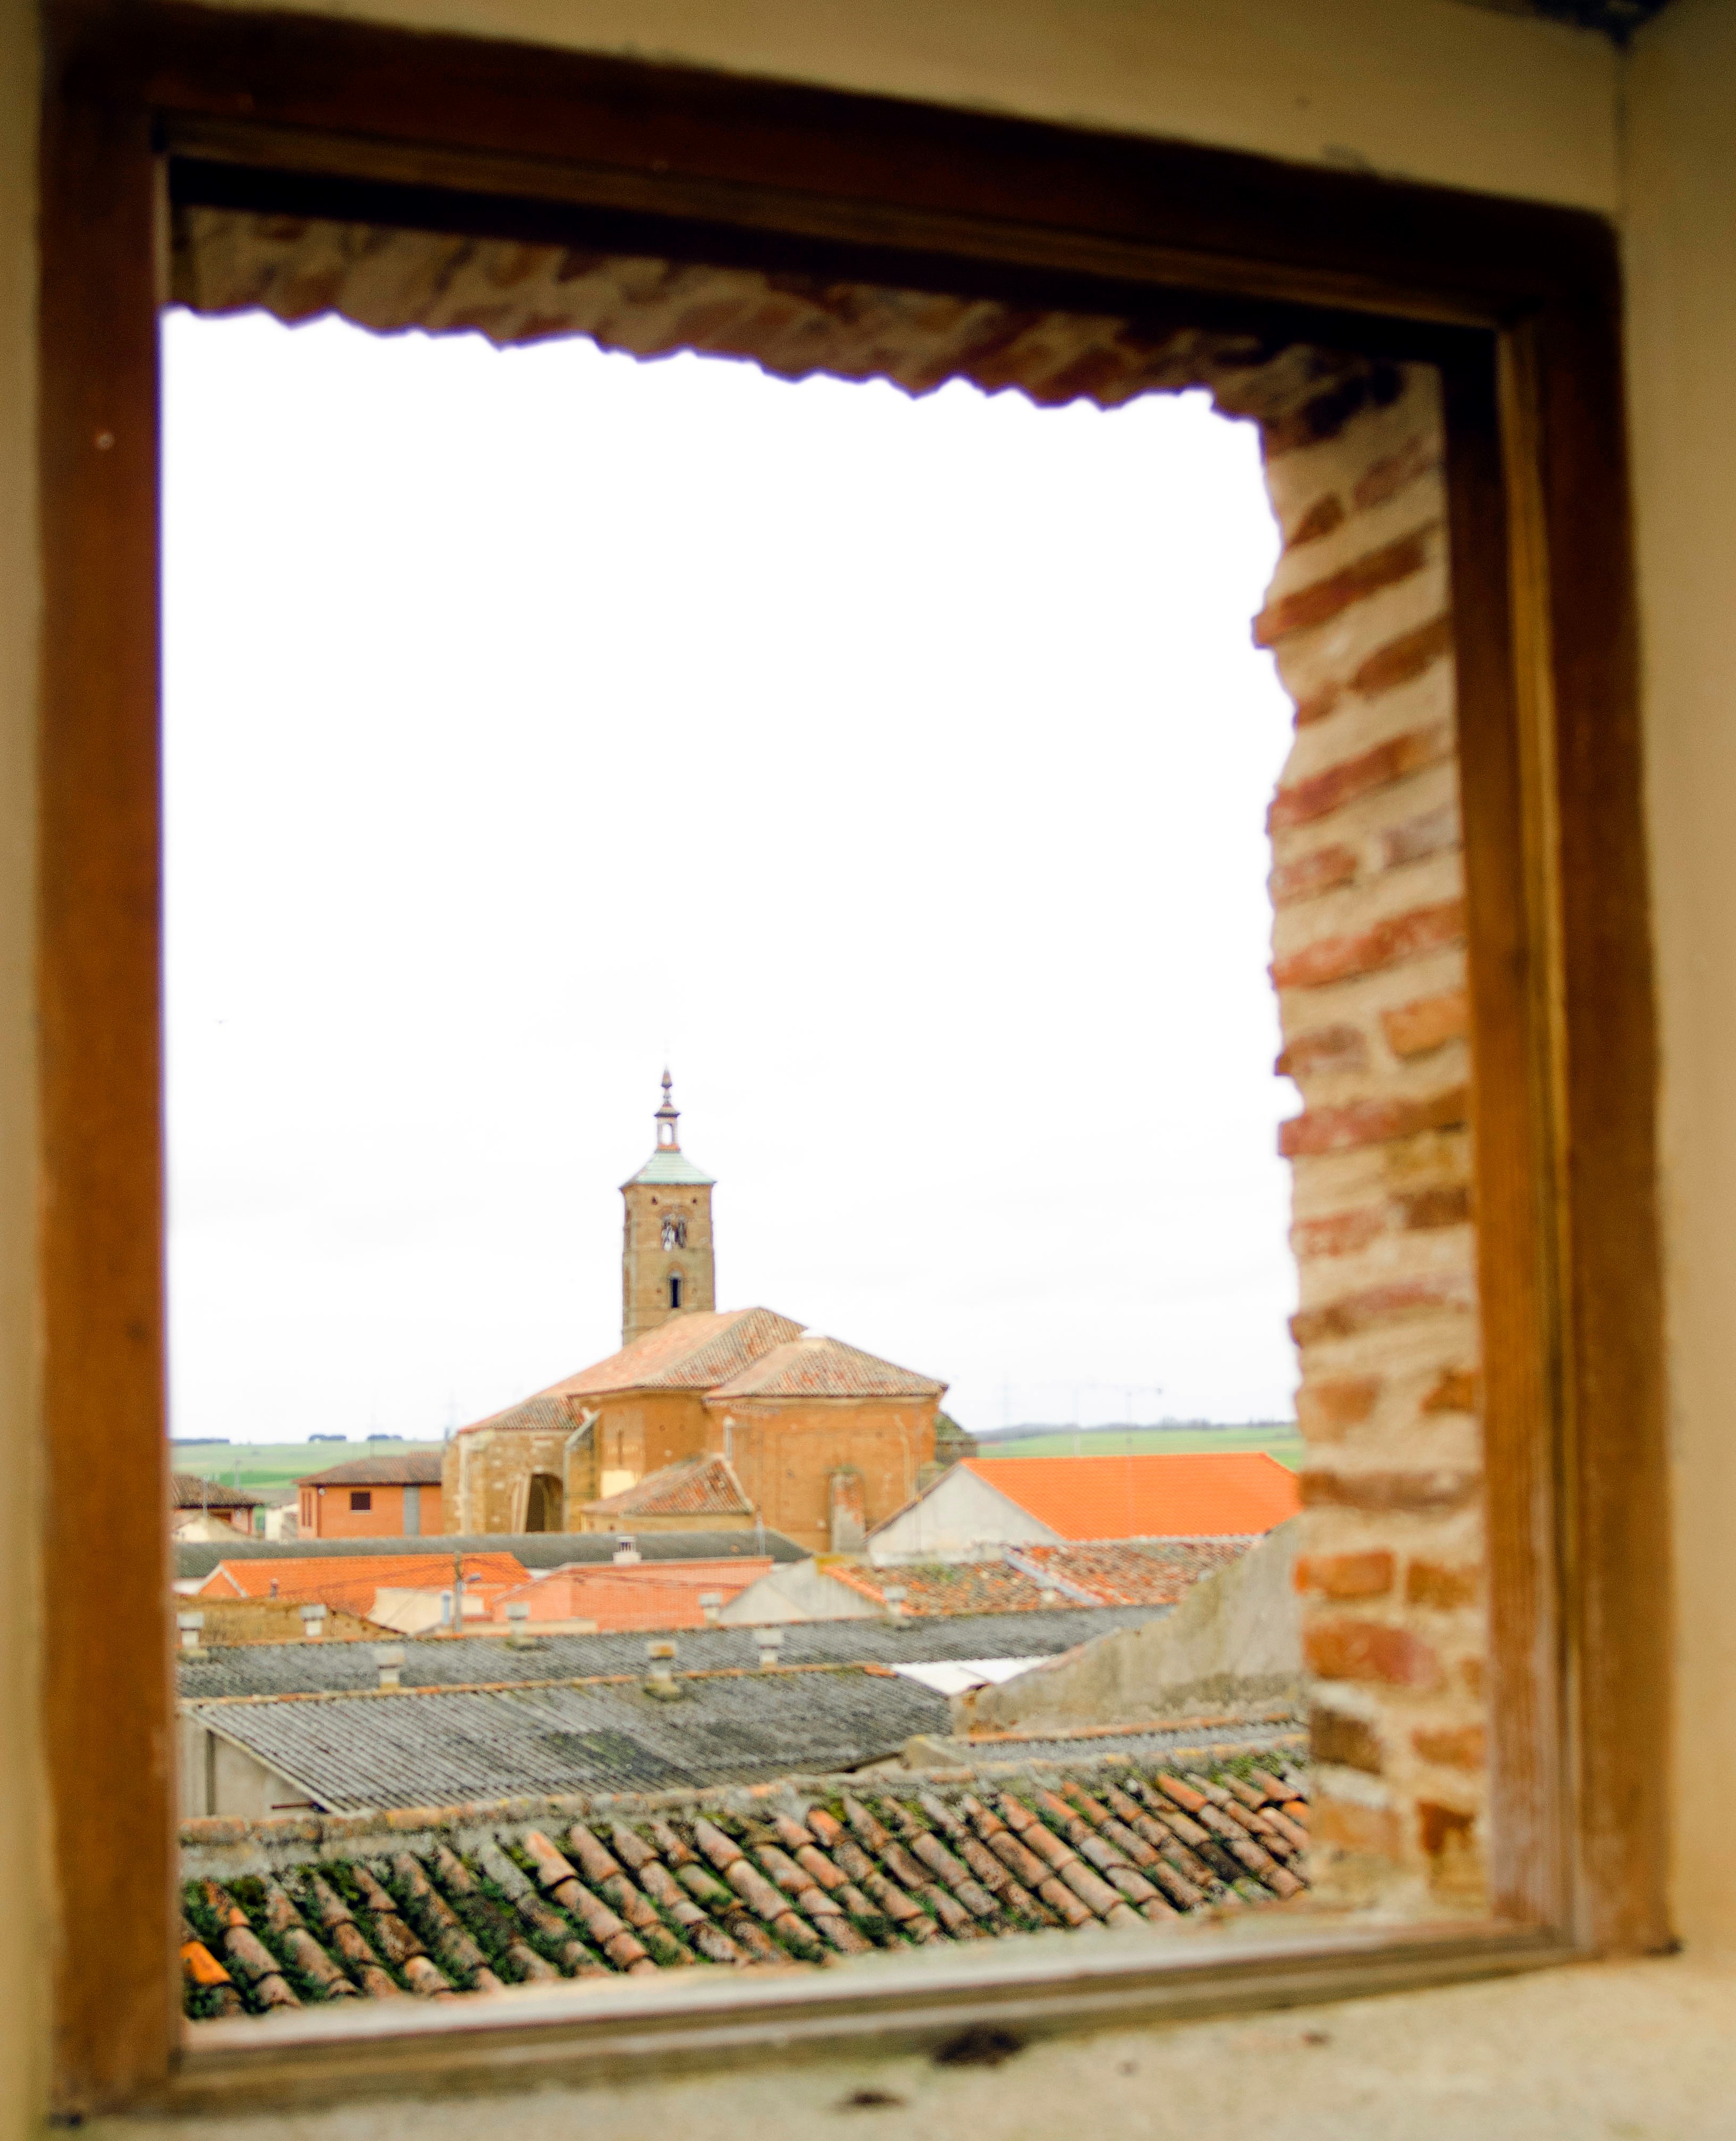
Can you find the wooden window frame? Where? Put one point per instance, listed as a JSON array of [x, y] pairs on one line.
[[1520, 308]]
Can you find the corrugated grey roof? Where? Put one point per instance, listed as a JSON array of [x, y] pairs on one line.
[[535, 1549], [421, 1750], [438, 1661]]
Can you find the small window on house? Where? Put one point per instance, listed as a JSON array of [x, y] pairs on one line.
[[361, 1498], [675, 1289]]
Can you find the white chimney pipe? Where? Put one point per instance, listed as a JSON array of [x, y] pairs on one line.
[[313, 1623], [517, 1613], [711, 1604], [626, 1550], [389, 1657], [189, 1624], [661, 1655], [771, 1647]]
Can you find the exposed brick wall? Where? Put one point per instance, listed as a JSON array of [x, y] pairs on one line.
[[1369, 947], [1369, 957]]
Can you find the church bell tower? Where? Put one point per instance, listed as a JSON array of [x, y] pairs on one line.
[[666, 1267]]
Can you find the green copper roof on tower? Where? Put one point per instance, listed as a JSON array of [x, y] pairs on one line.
[[668, 1163]]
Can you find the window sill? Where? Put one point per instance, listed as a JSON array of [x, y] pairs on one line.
[[538, 2036]]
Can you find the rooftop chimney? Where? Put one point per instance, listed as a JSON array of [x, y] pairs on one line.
[[626, 1550], [189, 1624], [711, 1604], [517, 1612], [389, 1657], [313, 1623], [661, 1683], [895, 1594], [771, 1647]]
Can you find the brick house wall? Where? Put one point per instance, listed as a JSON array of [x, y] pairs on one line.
[[327, 1511]]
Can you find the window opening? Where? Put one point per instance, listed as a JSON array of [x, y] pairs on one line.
[[919, 1512]]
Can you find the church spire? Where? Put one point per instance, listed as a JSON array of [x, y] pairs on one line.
[[667, 1116]]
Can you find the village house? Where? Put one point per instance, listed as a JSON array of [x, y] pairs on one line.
[[986, 1503], [205, 1509], [394, 1496], [724, 1420]]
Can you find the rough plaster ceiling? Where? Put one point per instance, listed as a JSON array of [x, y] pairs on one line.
[[1616, 18]]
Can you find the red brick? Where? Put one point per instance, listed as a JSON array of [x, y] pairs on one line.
[[1370, 1832], [1420, 1493], [1300, 802], [1339, 1234], [1355, 1123], [1310, 875], [1325, 1408], [1378, 1305], [1442, 1586], [1403, 658], [1370, 1651], [1413, 1029], [1387, 478], [1328, 1049], [1318, 705], [1344, 1575], [1327, 599], [1351, 1741], [1455, 1391], [1321, 518], [1461, 1747], [1440, 1827], [1389, 943], [1435, 1208]]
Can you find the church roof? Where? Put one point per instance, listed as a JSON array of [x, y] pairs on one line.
[[813, 1366], [691, 1352], [691, 1487], [547, 1413], [671, 1166]]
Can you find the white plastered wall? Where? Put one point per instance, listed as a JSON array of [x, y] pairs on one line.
[[1422, 89]]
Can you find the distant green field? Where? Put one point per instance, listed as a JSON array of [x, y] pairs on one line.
[[1285, 1443], [273, 1466]]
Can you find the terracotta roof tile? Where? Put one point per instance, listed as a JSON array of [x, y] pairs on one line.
[[698, 1487], [187, 1490], [1034, 1579], [813, 1366], [347, 1583], [472, 1897], [1214, 1494], [691, 1352], [409, 1468]]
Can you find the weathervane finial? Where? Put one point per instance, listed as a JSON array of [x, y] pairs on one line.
[[667, 1116]]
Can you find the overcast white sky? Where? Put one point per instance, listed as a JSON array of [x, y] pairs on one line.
[[897, 769]]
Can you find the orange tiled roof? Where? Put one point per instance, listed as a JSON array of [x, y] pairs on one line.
[[813, 1366], [483, 1896], [691, 1487], [1103, 1572], [347, 1583], [187, 1490], [691, 1352], [1214, 1495], [414, 1467]]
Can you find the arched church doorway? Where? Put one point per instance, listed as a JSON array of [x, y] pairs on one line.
[[544, 1506]]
